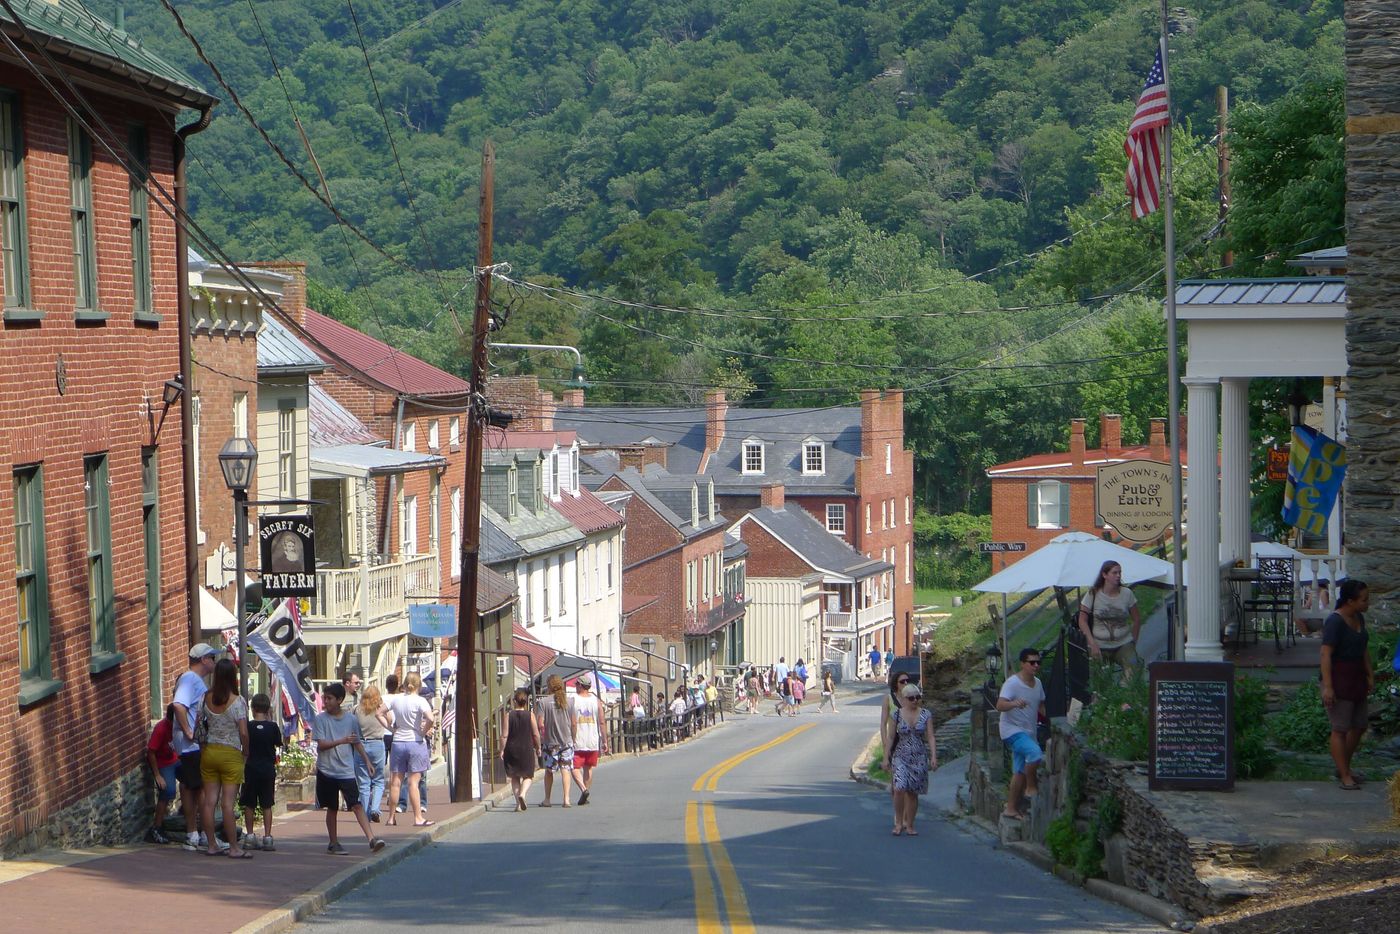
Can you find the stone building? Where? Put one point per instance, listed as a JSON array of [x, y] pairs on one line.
[[1373, 288]]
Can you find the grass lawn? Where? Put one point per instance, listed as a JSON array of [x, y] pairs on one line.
[[932, 596]]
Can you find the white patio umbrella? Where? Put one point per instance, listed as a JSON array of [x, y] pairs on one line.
[[1073, 560]]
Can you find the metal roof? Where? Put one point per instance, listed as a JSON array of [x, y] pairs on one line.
[[331, 424], [379, 361], [81, 36], [280, 352], [796, 528], [1332, 256], [363, 460], [1287, 290]]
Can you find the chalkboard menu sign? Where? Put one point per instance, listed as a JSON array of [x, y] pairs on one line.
[[1192, 741]]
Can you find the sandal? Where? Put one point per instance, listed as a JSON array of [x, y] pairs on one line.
[[911, 831], [897, 831], [1350, 786], [241, 854], [423, 823]]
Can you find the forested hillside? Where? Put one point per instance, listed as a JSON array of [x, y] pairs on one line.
[[789, 198]]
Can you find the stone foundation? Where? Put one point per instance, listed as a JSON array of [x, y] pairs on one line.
[[1180, 846], [117, 813]]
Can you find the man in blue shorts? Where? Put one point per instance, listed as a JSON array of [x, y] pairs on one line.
[[1021, 702]]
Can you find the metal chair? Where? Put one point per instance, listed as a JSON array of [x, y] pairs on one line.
[[1270, 609]]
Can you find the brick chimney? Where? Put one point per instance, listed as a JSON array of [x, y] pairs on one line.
[[545, 406], [716, 413], [771, 496], [1110, 431], [1076, 441], [293, 301], [573, 398], [1157, 439]]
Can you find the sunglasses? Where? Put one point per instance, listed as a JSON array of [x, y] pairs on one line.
[[913, 697], [1033, 661], [901, 680]]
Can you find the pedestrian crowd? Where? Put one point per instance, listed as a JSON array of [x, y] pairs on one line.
[[218, 753], [565, 736]]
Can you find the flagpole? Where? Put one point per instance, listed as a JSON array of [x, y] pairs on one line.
[[1177, 649]]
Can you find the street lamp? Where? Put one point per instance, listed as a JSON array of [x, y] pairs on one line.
[[238, 459], [993, 663]]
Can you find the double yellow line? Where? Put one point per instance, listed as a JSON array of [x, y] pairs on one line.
[[704, 848]]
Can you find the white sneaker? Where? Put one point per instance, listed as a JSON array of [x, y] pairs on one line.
[[192, 842], [268, 844], [251, 842], [202, 840]]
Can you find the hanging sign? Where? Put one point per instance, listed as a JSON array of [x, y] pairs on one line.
[[288, 548], [1135, 497], [1277, 469], [433, 620]]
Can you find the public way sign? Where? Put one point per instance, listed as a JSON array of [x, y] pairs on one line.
[[996, 548]]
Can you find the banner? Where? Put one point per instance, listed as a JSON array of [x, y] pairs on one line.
[[276, 639], [1316, 467]]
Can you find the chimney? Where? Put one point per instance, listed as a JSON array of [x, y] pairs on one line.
[[869, 431], [293, 301], [1110, 432], [1157, 439], [546, 406], [1076, 441], [573, 398], [716, 410], [771, 496]]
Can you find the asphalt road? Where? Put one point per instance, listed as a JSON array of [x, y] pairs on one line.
[[754, 826]]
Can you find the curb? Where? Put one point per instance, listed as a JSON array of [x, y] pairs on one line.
[[858, 769], [316, 900]]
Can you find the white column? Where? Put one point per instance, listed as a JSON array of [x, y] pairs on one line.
[[1203, 525], [1234, 469]]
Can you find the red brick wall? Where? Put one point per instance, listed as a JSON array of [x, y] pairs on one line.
[[72, 744], [652, 565], [1009, 515], [769, 557], [882, 427]]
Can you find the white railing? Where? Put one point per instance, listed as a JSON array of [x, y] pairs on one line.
[[362, 597], [874, 615], [1311, 570], [838, 622]]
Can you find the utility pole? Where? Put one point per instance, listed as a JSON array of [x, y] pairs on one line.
[[1222, 158], [471, 507]]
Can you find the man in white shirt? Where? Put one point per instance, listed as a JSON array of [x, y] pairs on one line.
[[1021, 702], [189, 697], [590, 732]]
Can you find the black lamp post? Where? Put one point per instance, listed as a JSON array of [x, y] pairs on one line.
[[993, 663], [238, 459], [1298, 403]]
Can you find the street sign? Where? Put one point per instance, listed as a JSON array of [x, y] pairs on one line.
[[997, 548], [432, 620], [288, 548], [1135, 497]]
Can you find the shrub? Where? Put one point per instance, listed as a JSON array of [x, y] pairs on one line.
[[1116, 723], [1302, 723], [1253, 757]]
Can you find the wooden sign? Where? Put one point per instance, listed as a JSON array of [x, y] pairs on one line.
[[288, 547], [1191, 740], [1135, 497]]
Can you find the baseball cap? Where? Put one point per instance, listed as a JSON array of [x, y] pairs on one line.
[[584, 681], [202, 650]]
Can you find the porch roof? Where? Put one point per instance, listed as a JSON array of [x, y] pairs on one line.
[[364, 460]]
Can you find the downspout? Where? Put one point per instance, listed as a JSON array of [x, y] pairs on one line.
[[189, 457]]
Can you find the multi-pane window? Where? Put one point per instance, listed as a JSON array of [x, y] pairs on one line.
[[454, 431], [1048, 505], [690, 583], [410, 437], [456, 532], [30, 578], [908, 563], [512, 493], [836, 518], [286, 449], [608, 557], [544, 582], [410, 525], [707, 578], [867, 518], [814, 458], [753, 457], [889, 458], [13, 240], [884, 514], [433, 434], [563, 596], [554, 474], [101, 601], [84, 229], [139, 147], [434, 513]]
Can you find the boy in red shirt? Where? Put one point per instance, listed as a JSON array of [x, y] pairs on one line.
[[161, 757]]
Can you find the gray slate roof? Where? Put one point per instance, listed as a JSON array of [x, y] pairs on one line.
[[782, 431], [496, 546], [663, 491], [810, 540], [1286, 290], [536, 531], [280, 352]]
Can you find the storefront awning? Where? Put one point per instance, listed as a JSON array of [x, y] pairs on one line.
[[367, 460]]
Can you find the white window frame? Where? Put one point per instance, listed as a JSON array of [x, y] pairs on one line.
[[608, 558], [813, 459], [410, 437], [286, 449], [908, 562], [690, 584], [554, 484], [1052, 504], [240, 415], [434, 513], [908, 512], [408, 529], [884, 515], [836, 518], [456, 565], [867, 518], [454, 431], [752, 450], [434, 434], [195, 410], [889, 459], [563, 587], [544, 591]]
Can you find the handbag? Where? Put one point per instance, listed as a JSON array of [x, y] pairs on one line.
[[201, 726]]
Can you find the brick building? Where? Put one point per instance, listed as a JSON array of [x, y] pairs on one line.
[[92, 528], [673, 568], [1038, 497], [845, 465]]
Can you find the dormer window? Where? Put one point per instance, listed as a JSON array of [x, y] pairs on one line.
[[695, 504], [813, 458], [554, 474], [512, 492], [711, 493], [573, 470], [753, 457]]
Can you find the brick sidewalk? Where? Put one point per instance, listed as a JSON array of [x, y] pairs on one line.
[[152, 889]]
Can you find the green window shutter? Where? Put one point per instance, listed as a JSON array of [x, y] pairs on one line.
[[1064, 505], [1032, 506]]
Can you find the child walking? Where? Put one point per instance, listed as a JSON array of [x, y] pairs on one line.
[[337, 735], [160, 755], [260, 773]]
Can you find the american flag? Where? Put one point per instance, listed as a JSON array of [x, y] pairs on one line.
[[1144, 143]]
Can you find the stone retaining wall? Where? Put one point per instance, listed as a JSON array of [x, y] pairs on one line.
[[1183, 847], [117, 813]]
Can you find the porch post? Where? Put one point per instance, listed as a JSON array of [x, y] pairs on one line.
[[1203, 536], [1332, 401], [1234, 468]]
